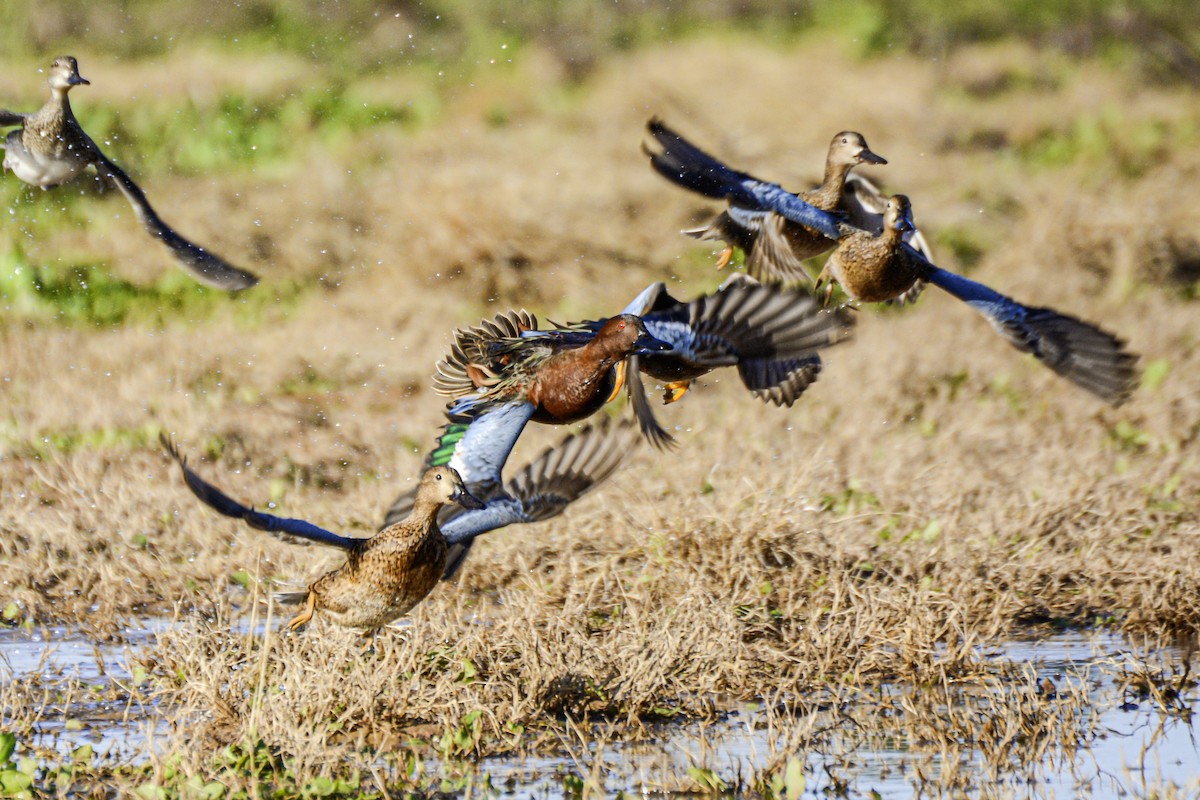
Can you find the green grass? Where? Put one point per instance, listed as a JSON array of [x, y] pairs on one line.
[[87, 294], [243, 132], [462, 36]]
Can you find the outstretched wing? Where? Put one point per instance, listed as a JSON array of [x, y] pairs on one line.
[[745, 320], [280, 527], [476, 441], [1081, 352], [203, 265], [547, 485], [10, 118], [682, 163], [469, 348]]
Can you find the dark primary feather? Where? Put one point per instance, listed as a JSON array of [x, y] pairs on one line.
[[779, 382], [281, 527], [1081, 352], [205, 266], [10, 118], [540, 491], [682, 163]]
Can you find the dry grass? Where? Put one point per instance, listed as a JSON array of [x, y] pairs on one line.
[[934, 492]]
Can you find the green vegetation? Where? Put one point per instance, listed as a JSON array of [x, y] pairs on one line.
[[88, 294], [460, 36]]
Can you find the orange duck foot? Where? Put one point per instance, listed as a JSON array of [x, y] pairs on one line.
[[723, 260], [619, 383], [304, 616], [675, 390]]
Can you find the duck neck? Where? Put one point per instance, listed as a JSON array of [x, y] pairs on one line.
[[892, 236], [424, 510], [603, 353], [59, 105], [828, 196]]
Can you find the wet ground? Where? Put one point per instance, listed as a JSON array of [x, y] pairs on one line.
[[1095, 730]]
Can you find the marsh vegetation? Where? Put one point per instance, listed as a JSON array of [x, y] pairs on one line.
[[856, 566]]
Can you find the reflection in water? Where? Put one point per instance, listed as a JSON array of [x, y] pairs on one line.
[[1059, 715]]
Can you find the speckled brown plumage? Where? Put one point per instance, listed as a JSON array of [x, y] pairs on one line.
[[775, 246], [874, 269], [383, 576], [879, 268], [51, 148]]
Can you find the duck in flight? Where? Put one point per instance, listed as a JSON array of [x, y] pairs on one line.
[[877, 268], [776, 229], [384, 576], [50, 148]]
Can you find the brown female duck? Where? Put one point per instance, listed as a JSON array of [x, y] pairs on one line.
[[774, 242], [384, 576], [51, 148], [879, 268]]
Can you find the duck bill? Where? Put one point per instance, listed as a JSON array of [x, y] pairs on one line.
[[868, 157], [466, 499], [78, 80], [905, 223], [648, 345]]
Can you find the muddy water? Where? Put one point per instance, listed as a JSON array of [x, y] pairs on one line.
[[1125, 741]]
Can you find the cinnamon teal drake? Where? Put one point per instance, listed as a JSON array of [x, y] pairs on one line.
[[874, 268], [51, 148], [384, 576], [760, 221], [772, 335], [542, 489], [535, 375]]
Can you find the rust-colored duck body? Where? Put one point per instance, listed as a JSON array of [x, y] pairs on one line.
[[508, 361]]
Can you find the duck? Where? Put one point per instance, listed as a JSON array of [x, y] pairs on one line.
[[384, 576], [479, 448], [523, 374], [874, 268], [760, 219], [771, 334], [50, 148]]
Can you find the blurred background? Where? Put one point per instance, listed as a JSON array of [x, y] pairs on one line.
[[395, 170]]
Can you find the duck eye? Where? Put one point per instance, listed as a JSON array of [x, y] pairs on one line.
[[621, 325], [439, 477]]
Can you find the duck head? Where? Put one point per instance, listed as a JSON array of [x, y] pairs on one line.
[[64, 73], [850, 148], [445, 485], [898, 215], [627, 334]]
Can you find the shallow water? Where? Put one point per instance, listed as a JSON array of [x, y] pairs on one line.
[[1125, 743]]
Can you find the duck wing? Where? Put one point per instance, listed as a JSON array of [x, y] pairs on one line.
[[476, 440], [745, 320], [780, 382], [686, 165], [10, 118], [203, 265], [280, 527], [1081, 352], [548, 484], [545, 487], [541, 490], [472, 347]]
